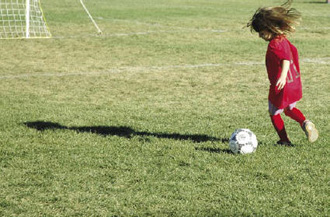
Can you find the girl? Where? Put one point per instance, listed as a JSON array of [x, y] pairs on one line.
[[273, 24]]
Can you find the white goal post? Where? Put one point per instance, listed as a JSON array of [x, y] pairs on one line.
[[22, 19], [99, 31]]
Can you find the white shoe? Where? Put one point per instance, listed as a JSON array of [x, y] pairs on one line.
[[310, 131]]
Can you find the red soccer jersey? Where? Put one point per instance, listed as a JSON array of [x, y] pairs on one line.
[[280, 49]]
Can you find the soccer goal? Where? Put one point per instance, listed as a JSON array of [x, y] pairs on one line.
[[22, 19]]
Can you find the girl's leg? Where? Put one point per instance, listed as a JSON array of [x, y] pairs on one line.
[[278, 124], [307, 126], [295, 114]]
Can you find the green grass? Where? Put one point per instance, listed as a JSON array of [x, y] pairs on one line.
[[136, 122]]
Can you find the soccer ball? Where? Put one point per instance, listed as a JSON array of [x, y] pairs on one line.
[[243, 141]]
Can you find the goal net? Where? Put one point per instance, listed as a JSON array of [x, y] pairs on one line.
[[22, 19]]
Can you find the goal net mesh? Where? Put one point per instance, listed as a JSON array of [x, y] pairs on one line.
[[22, 19]]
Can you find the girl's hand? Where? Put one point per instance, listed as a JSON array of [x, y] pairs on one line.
[[281, 83], [282, 80]]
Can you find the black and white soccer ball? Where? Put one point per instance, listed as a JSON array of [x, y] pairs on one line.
[[243, 141]]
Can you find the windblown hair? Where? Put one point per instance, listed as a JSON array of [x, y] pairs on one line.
[[273, 21]]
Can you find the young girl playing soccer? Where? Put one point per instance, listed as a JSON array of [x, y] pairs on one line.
[[273, 24]]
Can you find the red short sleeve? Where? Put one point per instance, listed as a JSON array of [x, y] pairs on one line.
[[281, 48]]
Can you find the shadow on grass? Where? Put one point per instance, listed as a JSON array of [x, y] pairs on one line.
[[122, 131], [214, 150]]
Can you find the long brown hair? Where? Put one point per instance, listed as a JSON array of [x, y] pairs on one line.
[[273, 21]]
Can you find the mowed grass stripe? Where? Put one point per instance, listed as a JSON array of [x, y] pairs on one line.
[[323, 61]]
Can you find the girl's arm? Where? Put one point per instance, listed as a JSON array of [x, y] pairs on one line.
[[282, 80]]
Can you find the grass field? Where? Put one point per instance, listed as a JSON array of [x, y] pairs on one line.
[[136, 122]]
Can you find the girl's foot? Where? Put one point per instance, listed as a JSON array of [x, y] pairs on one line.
[[285, 143], [310, 131]]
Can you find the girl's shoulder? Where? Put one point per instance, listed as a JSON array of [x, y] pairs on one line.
[[280, 48], [278, 42]]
